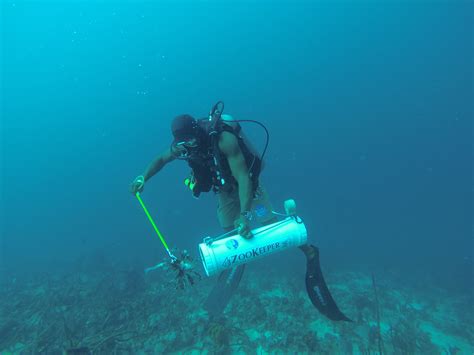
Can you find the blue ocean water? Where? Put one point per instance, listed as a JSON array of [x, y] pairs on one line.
[[369, 108]]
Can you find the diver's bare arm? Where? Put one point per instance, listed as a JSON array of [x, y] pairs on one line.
[[229, 145], [158, 164]]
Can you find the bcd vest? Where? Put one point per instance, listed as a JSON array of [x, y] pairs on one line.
[[210, 168]]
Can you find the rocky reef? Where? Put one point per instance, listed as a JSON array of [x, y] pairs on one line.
[[90, 312]]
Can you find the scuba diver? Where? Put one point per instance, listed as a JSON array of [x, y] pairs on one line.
[[223, 161]]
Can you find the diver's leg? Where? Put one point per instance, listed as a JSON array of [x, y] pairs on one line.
[[222, 292], [316, 287], [315, 284], [262, 207], [228, 210]]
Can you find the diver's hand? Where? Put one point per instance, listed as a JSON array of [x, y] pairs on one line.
[[178, 150], [137, 185], [243, 225]]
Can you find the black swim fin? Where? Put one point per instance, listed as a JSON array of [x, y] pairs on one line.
[[227, 283], [317, 289]]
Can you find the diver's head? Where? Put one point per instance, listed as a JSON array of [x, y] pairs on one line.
[[188, 136], [185, 131]]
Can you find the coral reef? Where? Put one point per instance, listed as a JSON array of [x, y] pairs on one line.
[[87, 312]]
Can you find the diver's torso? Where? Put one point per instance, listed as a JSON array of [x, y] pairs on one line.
[[210, 168]]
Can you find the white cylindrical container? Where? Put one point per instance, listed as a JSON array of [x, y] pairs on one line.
[[235, 250]]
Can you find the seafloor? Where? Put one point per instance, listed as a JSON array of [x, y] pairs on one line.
[[115, 311]]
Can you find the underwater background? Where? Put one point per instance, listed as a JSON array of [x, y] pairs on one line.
[[369, 108]]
